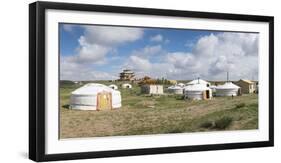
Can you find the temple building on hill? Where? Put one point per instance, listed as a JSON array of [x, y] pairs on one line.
[[127, 75]]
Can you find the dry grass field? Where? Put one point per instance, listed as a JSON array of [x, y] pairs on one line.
[[141, 114]]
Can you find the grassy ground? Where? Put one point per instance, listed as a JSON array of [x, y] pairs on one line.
[[141, 114]]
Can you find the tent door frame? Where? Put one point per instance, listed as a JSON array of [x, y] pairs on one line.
[[207, 94], [107, 96]]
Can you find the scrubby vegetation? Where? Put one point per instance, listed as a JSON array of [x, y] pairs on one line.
[[142, 114]]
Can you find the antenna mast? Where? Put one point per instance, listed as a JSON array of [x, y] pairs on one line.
[[227, 77]]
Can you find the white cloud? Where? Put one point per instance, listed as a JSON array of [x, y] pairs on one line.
[[111, 36], [70, 70], [157, 38], [206, 45], [189, 44], [182, 60], [233, 52], [97, 41], [148, 51], [140, 59], [221, 65], [144, 67], [139, 64], [94, 45], [90, 53], [212, 56]]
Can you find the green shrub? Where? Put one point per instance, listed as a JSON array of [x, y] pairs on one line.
[[179, 97], [223, 123], [175, 130], [206, 124], [241, 105], [67, 106]]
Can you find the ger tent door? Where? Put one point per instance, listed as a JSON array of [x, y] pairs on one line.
[[104, 101]]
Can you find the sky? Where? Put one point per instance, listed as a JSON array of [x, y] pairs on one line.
[[95, 52]]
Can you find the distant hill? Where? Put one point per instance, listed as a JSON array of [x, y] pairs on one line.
[[66, 82]]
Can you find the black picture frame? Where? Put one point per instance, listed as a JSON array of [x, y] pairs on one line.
[[37, 80]]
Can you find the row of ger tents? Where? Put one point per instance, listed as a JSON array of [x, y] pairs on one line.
[[94, 96], [200, 89], [125, 85]]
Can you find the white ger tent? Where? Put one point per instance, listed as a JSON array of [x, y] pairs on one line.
[[213, 88], [180, 85], [197, 92], [175, 89], [95, 96], [126, 85], [199, 81], [113, 86], [227, 89]]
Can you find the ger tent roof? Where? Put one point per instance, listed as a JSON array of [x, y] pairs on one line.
[[196, 87], [197, 81], [125, 85], [175, 87], [180, 84], [91, 89], [113, 86], [228, 85]]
